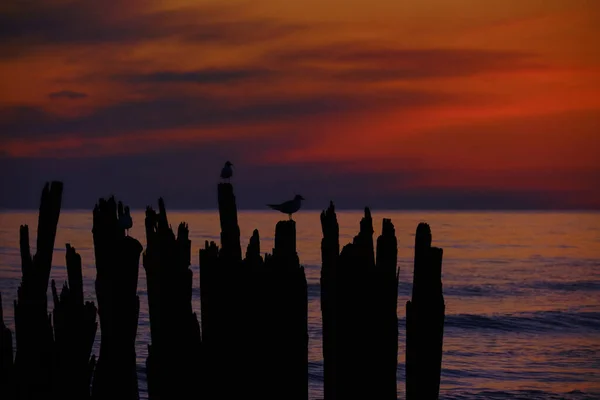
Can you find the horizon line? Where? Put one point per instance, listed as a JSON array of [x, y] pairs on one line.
[[200, 209]]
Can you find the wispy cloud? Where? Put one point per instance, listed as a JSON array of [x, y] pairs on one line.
[[203, 76], [201, 111], [371, 62], [67, 94], [27, 26]]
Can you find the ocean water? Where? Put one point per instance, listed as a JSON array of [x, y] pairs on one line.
[[522, 291]]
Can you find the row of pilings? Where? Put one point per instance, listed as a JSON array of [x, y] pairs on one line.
[[251, 340]]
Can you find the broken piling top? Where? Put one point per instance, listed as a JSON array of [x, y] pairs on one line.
[[116, 255], [285, 239], [423, 236], [185, 245], [253, 249], [387, 247], [47, 223], [74, 274], [230, 231], [364, 240], [1, 312], [427, 274], [37, 268], [330, 243], [329, 223]]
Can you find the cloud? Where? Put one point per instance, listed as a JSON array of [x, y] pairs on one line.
[[46, 23], [199, 111], [371, 62], [67, 94], [204, 76]]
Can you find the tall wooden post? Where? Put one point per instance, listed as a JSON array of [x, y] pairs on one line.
[[174, 358], [35, 343], [75, 329], [7, 387], [425, 320], [358, 304], [117, 266]]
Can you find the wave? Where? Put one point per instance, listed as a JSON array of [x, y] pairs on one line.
[[512, 289], [588, 286], [540, 321], [516, 394]]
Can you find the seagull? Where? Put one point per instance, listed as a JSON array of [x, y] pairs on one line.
[[289, 207], [125, 221], [227, 171]]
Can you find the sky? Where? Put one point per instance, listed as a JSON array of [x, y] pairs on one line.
[[412, 104]]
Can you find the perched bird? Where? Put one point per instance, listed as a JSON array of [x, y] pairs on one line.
[[125, 220], [227, 171], [289, 207]]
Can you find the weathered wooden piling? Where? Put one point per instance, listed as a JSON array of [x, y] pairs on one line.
[[330, 251], [385, 311], [425, 320], [173, 364], [230, 231], [286, 317], [7, 387], [223, 285], [33, 330], [75, 328], [358, 305], [117, 265]]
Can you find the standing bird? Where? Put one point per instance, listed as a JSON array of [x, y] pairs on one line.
[[289, 207], [125, 220], [227, 171]]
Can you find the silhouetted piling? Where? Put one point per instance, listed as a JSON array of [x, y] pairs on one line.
[[117, 265], [330, 251], [358, 305], [224, 320], [287, 317], [173, 363], [7, 387], [34, 339], [74, 332], [425, 320], [230, 231]]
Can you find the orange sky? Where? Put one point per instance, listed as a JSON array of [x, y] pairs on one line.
[[501, 95]]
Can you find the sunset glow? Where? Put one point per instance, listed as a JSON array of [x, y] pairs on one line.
[[392, 98]]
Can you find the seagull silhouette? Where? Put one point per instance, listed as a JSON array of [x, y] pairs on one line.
[[288, 207], [125, 220], [227, 171]]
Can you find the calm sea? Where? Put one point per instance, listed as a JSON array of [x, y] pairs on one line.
[[522, 291]]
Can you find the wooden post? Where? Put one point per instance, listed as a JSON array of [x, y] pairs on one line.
[[74, 332], [230, 231], [358, 303], [425, 320], [117, 265], [385, 308], [330, 250], [34, 358], [286, 318], [174, 358], [7, 384], [223, 304]]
